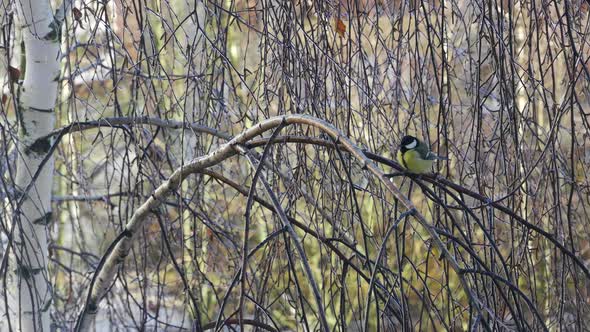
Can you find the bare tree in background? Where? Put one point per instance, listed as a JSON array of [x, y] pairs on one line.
[[227, 165]]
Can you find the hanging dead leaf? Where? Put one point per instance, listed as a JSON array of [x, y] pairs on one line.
[[14, 73], [78, 16], [77, 13], [340, 27]]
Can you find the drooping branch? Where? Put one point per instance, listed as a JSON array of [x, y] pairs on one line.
[[294, 237], [441, 181], [379, 256], [117, 122], [387, 297], [105, 275]]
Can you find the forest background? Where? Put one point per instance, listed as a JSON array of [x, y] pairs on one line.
[[124, 208]]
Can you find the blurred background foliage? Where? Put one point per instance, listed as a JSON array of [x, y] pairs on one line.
[[501, 87]]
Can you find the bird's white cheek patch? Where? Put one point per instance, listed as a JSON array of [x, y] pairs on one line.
[[411, 145]]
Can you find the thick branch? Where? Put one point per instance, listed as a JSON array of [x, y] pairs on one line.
[[106, 275]]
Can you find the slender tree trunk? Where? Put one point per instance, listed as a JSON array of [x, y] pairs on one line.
[[197, 241], [33, 204], [4, 45]]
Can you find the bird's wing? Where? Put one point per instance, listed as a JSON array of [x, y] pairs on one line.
[[423, 150], [426, 154]]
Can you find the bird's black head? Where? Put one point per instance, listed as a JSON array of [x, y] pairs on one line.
[[408, 143]]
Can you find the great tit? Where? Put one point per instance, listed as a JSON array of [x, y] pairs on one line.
[[415, 156]]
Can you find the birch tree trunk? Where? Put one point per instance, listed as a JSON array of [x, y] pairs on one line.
[[40, 30], [4, 44]]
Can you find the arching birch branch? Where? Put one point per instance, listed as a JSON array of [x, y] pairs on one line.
[[105, 276]]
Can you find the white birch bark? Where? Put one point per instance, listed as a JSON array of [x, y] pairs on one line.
[[4, 61], [28, 275]]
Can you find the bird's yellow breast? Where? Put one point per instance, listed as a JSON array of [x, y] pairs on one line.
[[411, 161]]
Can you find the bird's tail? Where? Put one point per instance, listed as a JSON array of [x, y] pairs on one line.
[[434, 156]]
